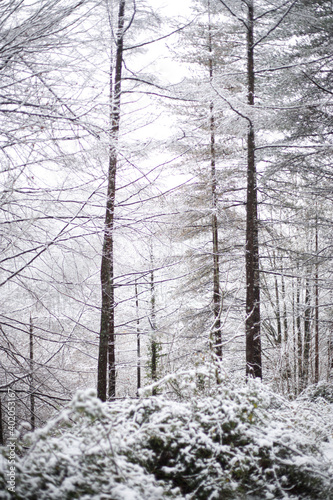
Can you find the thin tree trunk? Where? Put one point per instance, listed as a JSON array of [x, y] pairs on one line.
[[154, 347], [278, 313], [330, 355], [286, 342], [285, 317], [106, 355], [294, 339], [1, 425], [299, 335], [307, 335], [330, 348], [31, 378], [138, 343], [317, 310], [252, 326], [216, 265]]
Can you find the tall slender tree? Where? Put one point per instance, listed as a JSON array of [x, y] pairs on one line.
[[217, 297], [106, 383], [253, 338], [261, 24]]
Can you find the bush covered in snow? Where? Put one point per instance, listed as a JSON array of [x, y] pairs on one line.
[[322, 390], [227, 442]]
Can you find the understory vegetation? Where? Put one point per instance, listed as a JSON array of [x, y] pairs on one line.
[[166, 229], [199, 438]]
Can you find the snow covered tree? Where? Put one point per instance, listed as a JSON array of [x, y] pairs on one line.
[[106, 359], [41, 123], [209, 204], [298, 174]]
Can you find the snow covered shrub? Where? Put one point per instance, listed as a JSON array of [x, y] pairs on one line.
[[226, 445], [323, 390], [184, 385], [313, 411], [73, 457]]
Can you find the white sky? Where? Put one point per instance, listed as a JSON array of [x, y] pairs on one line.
[[172, 7]]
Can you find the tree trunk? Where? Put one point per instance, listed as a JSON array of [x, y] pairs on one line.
[[294, 339], [106, 355], [285, 316], [278, 313], [153, 345], [286, 340], [138, 343], [216, 265], [317, 310], [252, 326], [330, 355], [299, 336], [31, 378], [307, 335], [1, 425]]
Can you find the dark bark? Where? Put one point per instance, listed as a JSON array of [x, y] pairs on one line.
[[153, 345], [278, 314], [330, 355], [285, 316], [138, 343], [1, 425], [317, 310], [106, 382], [307, 335], [287, 368], [252, 326], [299, 336], [294, 339], [216, 265], [31, 388]]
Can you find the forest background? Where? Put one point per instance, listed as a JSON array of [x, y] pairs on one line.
[[166, 195]]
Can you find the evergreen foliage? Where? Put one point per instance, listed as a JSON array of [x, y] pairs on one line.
[[211, 441]]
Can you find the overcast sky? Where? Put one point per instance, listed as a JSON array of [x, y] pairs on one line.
[[172, 7]]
